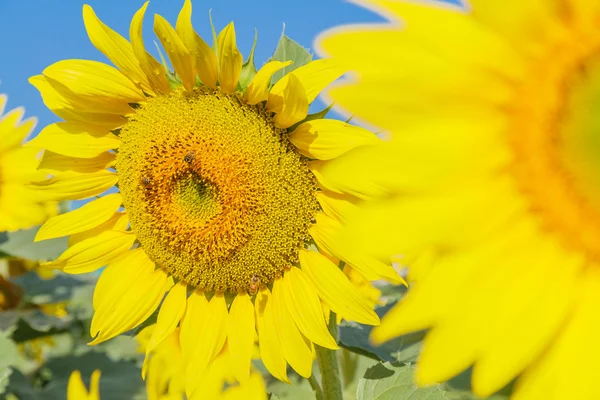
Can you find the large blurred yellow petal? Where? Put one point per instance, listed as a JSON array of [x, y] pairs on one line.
[[269, 343], [75, 388], [297, 350], [180, 56], [208, 344], [335, 289], [93, 86], [171, 312], [76, 139], [314, 76], [302, 302], [93, 253], [258, 90], [324, 139], [230, 59], [240, 335], [81, 219], [294, 106], [75, 186], [253, 389], [155, 71], [20, 208], [132, 298], [95, 385], [57, 163], [115, 47], [326, 233], [205, 58]]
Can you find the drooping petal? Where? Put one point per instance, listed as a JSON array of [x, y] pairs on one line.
[[171, 312], [115, 47], [93, 253], [335, 288], [75, 186], [209, 343], [93, 86], [294, 106], [302, 302], [130, 300], [205, 58], [230, 59], [75, 139], [297, 350], [84, 218], [180, 56], [269, 343], [240, 335], [156, 73], [325, 139], [258, 90]]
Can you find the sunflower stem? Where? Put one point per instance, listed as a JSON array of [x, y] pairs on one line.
[[328, 365], [314, 384]]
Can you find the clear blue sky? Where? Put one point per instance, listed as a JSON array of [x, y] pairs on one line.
[[36, 33]]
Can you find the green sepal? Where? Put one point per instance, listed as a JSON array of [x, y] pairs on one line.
[[289, 50], [172, 77], [248, 68]]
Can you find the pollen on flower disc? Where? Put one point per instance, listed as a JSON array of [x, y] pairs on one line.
[[215, 193]]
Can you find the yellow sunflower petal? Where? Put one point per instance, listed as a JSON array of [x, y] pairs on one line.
[[94, 86], [109, 278], [75, 139], [297, 350], [93, 253], [115, 47], [209, 343], [75, 388], [95, 385], [75, 186], [192, 323], [171, 312], [314, 76], [324, 139], [240, 335], [258, 90], [302, 301], [129, 302], [204, 56], [326, 234], [117, 222], [180, 56], [338, 206], [335, 289], [155, 71], [230, 59], [57, 163], [86, 217], [294, 106], [269, 343], [12, 130]]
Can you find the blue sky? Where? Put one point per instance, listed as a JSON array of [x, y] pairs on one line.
[[37, 33]]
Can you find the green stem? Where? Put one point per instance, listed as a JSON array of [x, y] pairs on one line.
[[328, 365], [316, 387]]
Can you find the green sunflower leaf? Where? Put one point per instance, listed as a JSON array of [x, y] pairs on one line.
[[394, 381], [248, 68], [20, 244], [10, 358], [289, 50]]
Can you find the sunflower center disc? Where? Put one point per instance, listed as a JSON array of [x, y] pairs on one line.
[[216, 195]]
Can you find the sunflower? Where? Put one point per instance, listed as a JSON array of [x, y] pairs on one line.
[[76, 389], [20, 208], [493, 108], [165, 380], [208, 190]]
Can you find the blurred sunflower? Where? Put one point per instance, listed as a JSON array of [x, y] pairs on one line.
[[20, 206], [76, 389], [220, 200], [493, 109], [163, 371]]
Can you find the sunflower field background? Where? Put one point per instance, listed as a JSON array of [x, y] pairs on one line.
[[373, 199]]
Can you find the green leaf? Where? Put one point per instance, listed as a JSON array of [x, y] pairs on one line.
[[394, 381], [32, 324], [3, 237], [248, 69], [45, 291], [20, 244], [289, 50]]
